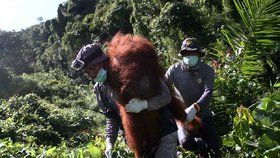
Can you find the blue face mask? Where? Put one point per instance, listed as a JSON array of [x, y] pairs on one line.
[[191, 60], [101, 76]]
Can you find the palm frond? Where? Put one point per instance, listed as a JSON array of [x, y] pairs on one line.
[[257, 33]]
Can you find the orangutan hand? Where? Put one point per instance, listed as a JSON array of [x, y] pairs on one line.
[[136, 105], [191, 112]]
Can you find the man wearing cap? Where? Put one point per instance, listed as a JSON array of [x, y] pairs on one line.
[[193, 82], [94, 62]]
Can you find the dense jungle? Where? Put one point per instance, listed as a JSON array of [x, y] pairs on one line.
[[47, 109]]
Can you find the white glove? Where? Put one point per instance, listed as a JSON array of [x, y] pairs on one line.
[[191, 112], [108, 150], [136, 105]]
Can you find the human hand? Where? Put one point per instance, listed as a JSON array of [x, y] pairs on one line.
[[136, 105]]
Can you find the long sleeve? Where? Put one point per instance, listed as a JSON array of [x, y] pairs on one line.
[[208, 85], [109, 109], [112, 129], [160, 100], [169, 76]]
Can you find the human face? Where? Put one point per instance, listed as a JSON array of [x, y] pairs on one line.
[[190, 59]]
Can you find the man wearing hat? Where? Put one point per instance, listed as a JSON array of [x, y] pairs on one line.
[[94, 62], [193, 82]]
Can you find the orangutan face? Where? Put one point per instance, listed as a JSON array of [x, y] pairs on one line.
[[93, 70]]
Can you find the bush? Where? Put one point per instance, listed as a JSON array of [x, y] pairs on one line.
[[58, 109], [256, 133]]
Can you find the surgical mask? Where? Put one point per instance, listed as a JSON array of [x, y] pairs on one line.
[[191, 60], [101, 76]]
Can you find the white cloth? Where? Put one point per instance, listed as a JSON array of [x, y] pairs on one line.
[[191, 112], [136, 105]]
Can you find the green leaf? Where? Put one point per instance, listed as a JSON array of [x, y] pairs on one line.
[[266, 142], [266, 121], [81, 154], [95, 152], [276, 85], [253, 144], [228, 141], [2, 144], [50, 151], [274, 152], [266, 104], [276, 97]]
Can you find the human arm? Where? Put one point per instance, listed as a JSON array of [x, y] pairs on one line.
[[136, 105], [113, 122], [161, 99], [208, 86], [169, 77], [112, 129]]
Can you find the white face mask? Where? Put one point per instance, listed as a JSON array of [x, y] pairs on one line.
[[191, 60], [101, 76]]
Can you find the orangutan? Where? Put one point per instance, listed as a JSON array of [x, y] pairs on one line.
[[135, 72]]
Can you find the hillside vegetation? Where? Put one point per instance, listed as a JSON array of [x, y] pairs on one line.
[[48, 110]]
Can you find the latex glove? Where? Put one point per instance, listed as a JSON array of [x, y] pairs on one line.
[[191, 112], [136, 105], [108, 150]]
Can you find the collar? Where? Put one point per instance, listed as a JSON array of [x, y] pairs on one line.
[[193, 69]]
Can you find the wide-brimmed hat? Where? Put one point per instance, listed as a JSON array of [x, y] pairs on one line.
[[191, 45]]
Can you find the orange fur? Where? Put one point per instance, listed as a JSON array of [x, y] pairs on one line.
[[134, 72]]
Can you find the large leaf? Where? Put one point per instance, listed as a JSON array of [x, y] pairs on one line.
[[274, 152], [266, 142], [228, 141], [256, 36], [266, 104]]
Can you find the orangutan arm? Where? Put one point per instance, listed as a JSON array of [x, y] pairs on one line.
[[161, 99]]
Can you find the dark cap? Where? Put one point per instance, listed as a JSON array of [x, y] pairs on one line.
[[189, 45], [88, 55]]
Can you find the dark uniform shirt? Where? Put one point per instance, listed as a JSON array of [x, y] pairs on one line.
[[193, 85]]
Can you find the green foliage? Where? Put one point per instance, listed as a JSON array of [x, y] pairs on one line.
[[76, 36], [256, 133], [53, 57], [257, 37], [110, 18], [8, 149], [232, 89], [174, 22], [179, 15], [5, 80], [94, 148], [77, 7], [14, 51], [47, 116], [57, 28], [32, 119]]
